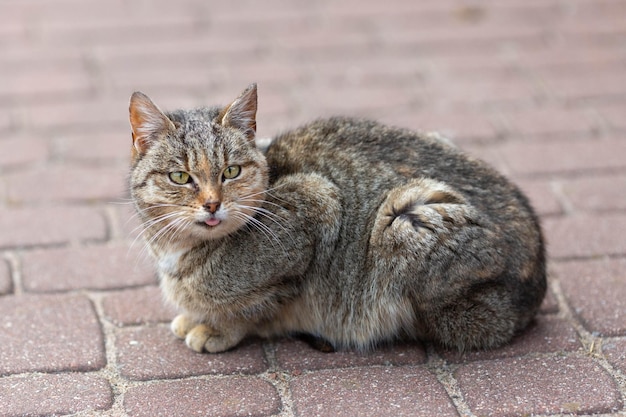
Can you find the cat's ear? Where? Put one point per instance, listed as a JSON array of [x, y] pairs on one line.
[[241, 113], [147, 122]]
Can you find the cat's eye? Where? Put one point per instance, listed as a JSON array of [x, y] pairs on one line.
[[180, 177], [231, 172]]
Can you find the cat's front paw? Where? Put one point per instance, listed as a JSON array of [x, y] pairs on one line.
[[204, 338], [181, 326], [201, 337]]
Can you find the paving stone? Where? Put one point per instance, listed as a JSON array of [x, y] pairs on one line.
[[550, 120], [57, 394], [50, 225], [296, 355], [569, 85], [585, 235], [549, 304], [73, 116], [372, 391], [541, 197], [20, 152], [596, 291], [127, 224], [137, 306], [531, 158], [66, 184], [104, 147], [231, 396], [49, 334], [615, 352], [482, 91], [459, 126], [6, 284], [37, 84], [540, 385], [155, 353], [546, 334], [93, 267], [614, 114], [596, 193]]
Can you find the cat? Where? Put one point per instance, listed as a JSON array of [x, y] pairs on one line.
[[347, 230]]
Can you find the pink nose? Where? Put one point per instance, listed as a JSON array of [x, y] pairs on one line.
[[212, 206]]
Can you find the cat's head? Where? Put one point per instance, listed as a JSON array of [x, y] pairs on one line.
[[196, 174]]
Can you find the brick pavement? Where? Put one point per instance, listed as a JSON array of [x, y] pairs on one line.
[[535, 87]]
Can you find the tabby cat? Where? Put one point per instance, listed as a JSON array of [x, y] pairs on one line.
[[345, 230]]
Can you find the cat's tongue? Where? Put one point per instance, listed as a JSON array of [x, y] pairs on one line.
[[212, 222]]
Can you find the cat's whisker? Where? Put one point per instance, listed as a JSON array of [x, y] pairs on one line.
[[139, 212], [270, 216], [263, 228], [262, 202], [150, 223], [265, 191]]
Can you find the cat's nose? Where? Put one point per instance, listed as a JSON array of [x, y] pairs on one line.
[[212, 206]]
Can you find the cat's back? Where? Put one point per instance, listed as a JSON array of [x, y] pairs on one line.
[[366, 159], [322, 144], [349, 150]]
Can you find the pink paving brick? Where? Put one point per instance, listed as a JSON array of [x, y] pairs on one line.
[[137, 306], [549, 305], [93, 267], [56, 394], [101, 147], [31, 85], [232, 396], [586, 235], [613, 114], [615, 352], [20, 152], [80, 116], [540, 385], [66, 184], [459, 126], [546, 334], [295, 355], [49, 334], [549, 121], [606, 83], [374, 391], [596, 291], [529, 158], [155, 353], [596, 193], [6, 284], [50, 225], [542, 197]]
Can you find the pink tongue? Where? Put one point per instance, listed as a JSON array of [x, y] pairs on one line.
[[212, 222]]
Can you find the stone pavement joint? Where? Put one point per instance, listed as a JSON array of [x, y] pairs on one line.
[[537, 88]]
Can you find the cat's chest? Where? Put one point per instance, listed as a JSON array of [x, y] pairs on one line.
[[169, 262]]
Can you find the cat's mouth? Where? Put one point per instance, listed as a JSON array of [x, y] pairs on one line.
[[212, 222]]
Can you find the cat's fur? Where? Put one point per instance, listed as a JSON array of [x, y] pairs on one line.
[[347, 230]]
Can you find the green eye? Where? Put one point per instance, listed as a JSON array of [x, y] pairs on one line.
[[231, 172], [180, 177]]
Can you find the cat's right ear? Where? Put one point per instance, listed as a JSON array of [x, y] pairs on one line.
[[147, 122]]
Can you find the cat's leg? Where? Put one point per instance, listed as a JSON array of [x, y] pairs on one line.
[[444, 257], [203, 337]]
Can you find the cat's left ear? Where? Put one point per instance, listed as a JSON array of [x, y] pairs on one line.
[[241, 113], [147, 121]]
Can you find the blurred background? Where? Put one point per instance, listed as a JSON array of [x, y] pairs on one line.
[[477, 70], [535, 87]]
